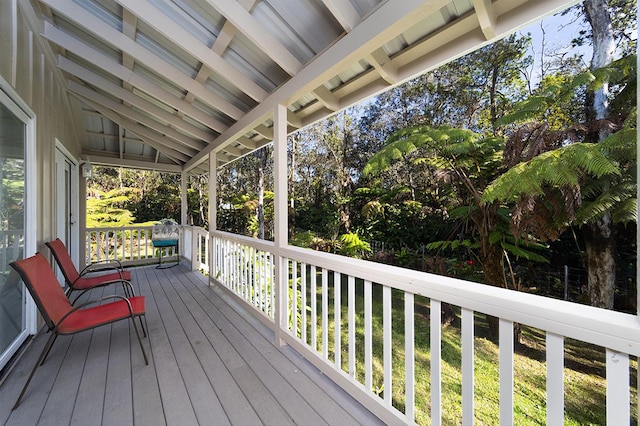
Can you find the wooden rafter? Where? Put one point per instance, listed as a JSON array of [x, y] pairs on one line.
[[486, 16]]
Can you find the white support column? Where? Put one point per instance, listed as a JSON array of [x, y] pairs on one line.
[[213, 211], [281, 219], [184, 206], [82, 220]]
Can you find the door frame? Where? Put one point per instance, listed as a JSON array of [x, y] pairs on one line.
[[63, 157]]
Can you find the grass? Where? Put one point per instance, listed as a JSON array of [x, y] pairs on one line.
[[585, 384]]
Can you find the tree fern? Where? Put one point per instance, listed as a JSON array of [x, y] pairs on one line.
[[564, 167]]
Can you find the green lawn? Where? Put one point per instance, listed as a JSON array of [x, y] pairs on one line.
[[585, 386]]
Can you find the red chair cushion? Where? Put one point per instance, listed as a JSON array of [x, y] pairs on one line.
[[85, 319], [84, 283]]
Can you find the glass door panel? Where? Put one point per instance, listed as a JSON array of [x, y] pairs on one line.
[[12, 232]]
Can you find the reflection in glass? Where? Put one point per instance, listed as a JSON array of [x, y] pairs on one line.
[[12, 178]]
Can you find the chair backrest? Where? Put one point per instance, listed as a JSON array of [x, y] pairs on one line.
[[41, 281], [64, 261]]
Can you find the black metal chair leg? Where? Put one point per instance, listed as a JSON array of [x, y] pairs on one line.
[[144, 331], [43, 355], [144, 353], [54, 336]]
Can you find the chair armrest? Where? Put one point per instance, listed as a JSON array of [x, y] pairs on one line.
[[93, 302], [123, 281], [90, 268]]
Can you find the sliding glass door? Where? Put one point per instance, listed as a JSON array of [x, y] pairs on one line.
[[13, 299]]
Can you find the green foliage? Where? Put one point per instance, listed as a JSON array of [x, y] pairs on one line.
[[564, 167], [593, 180], [560, 93], [351, 245], [403, 142], [105, 209], [302, 239], [12, 193], [146, 195]]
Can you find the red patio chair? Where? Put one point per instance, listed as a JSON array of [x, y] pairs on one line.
[[81, 281], [63, 318]]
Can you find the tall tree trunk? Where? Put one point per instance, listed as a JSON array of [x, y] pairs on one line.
[[599, 236], [492, 260], [601, 264], [493, 271]]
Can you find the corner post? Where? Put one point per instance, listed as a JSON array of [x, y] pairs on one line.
[[184, 210], [281, 220], [213, 211]]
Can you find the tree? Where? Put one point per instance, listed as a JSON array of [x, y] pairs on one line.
[[106, 209], [591, 185], [150, 195], [467, 162], [599, 234], [198, 200]]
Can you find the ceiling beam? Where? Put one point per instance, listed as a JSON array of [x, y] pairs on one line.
[[150, 137], [183, 142], [219, 46], [232, 150], [129, 27], [103, 31], [76, 46], [135, 100], [266, 132], [464, 35], [173, 31], [131, 163], [385, 23], [327, 98], [293, 119], [344, 12], [247, 143], [102, 135], [255, 32], [383, 64], [487, 17]]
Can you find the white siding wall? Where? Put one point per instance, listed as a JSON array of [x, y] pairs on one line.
[[27, 64]]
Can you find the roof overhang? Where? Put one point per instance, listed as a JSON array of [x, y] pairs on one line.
[[162, 84]]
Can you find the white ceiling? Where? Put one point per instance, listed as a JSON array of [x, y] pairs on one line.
[[161, 83]]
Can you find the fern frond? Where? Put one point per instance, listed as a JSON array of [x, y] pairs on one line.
[[621, 145], [560, 168], [609, 200], [525, 254], [626, 212]]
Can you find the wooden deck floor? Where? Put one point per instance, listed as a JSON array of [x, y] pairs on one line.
[[210, 363]]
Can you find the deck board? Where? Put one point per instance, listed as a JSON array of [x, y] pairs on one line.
[[210, 362]]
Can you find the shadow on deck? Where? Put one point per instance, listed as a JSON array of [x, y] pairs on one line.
[[210, 362]]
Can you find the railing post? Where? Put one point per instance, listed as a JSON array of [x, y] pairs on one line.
[[281, 223], [213, 209], [195, 251]]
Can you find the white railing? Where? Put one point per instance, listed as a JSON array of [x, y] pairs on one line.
[[129, 245], [200, 250], [246, 267], [340, 314], [133, 246]]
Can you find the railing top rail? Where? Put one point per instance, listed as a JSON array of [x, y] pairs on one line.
[[254, 242], [198, 229], [119, 228], [614, 330]]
